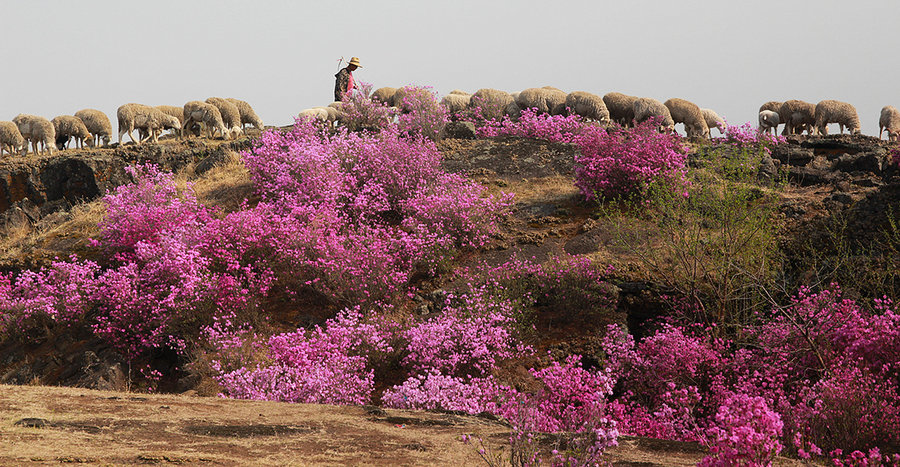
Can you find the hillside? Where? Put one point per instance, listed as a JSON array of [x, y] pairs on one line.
[[51, 210]]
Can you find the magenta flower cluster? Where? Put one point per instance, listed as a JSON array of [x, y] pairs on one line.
[[421, 113], [537, 125], [745, 136], [822, 372], [625, 162]]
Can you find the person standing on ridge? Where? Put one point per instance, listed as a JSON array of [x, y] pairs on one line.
[[343, 82]]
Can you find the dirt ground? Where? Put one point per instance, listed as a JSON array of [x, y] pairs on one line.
[[42, 425]]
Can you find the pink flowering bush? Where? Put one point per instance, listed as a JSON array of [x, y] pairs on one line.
[[436, 391], [747, 137], [422, 113], [149, 207], [626, 162], [537, 125], [360, 112], [746, 433]]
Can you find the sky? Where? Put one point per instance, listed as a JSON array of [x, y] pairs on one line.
[[281, 56]]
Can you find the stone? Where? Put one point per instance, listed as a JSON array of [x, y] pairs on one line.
[[460, 130], [862, 162]]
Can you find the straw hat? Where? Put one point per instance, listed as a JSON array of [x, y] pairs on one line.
[[355, 61]]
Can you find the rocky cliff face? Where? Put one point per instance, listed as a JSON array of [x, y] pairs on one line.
[[34, 187]]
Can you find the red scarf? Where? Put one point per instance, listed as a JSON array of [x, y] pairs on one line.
[[350, 83]]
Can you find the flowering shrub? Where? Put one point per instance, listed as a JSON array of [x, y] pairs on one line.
[[149, 207], [485, 110], [745, 136], [625, 162], [746, 433], [537, 125], [433, 390], [422, 113], [360, 112]]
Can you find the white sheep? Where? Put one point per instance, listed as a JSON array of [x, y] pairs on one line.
[[37, 130], [205, 115], [315, 113], [842, 113], [544, 100], [248, 115], [588, 105], [143, 117], [70, 126], [797, 114], [10, 138], [332, 114], [890, 121], [383, 95], [688, 113], [97, 123], [713, 120], [231, 116], [456, 103], [768, 120], [646, 108], [620, 107], [493, 103]]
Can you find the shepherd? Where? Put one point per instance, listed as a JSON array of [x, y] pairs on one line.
[[343, 82]]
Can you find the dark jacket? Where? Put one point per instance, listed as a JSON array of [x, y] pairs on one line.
[[341, 81]]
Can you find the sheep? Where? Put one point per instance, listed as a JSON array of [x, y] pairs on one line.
[[315, 113], [774, 106], [646, 108], [206, 115], [460, 92], [10, 138], [37, 130], [768, 120], [842, 113], [69, 126], [890, 121], [97, 123], [248, 115], [397, 97], [383, 95], [796, 114], [548, 101], [713, 120], [456, 103], [143, 117], [177, 113], [512, 111], [620, 107], [688, 113], [231, 116], [492, 102], [588, 105], [332, 114]]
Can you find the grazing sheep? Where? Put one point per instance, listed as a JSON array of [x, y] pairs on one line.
[[774, 106], [231, 116], [37, 130], [688, 113], [890, 121], [588, 105], [207, 116], [70, 126], [768, 120], [713, 120], [177, 113], [10, 138], [333, 114], [248, 115], [456, 103], [842, 113], [620, 107], [150, 121], [493, 102], [315, 113], [97, 123], [646, 108], [548, 101], [383, 95], [796, 114]]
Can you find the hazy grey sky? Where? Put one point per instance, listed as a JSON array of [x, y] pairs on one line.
[[62, 56]]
